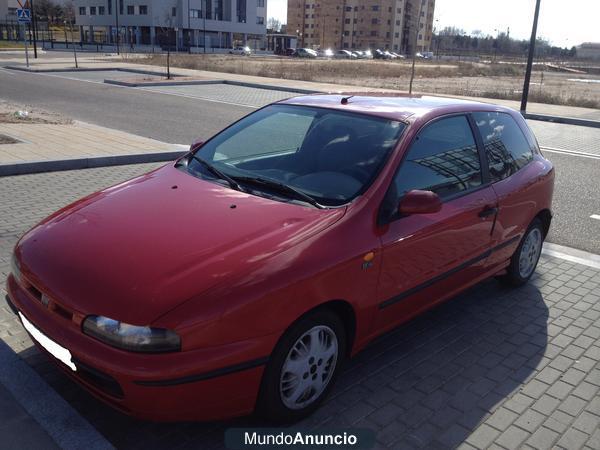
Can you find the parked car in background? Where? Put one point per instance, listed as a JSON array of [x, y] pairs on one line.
[[243, 51], [427, 55], [326, 53], [242, 276], [344, 54], [305, 53], [390, 55], [398, 55], [285, 51], [381, 54]]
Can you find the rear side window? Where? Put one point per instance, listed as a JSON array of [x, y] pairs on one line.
[[443, 159], [505, 144]]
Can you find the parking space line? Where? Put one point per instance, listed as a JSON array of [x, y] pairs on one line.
[[595, 216], [570, 152], [571, 254]]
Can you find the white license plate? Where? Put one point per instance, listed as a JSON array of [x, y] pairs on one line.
[[56, 350]]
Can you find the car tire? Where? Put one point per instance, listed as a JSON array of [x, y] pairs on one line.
[[298, 351], [525, 259]]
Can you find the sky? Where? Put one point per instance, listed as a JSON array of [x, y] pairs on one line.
[[563, 23]]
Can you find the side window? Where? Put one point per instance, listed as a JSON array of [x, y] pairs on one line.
[[505, 145], [443, 159]]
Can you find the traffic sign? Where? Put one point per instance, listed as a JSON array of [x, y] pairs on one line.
[[24, 15]]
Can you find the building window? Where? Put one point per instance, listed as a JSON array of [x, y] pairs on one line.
[[92, 10], [306, 16], [397, 22], [346, 33], [143, 10], [374, 33], [374, 21], [174, 11], [121, 7], [347, 21], [130, 10], [398, 10], [260, 20], [101, 10], [348, 8], [420, 37], [109, 7], [195, 14], [397, 35], [82, 10], [375, 7], [260, 3]]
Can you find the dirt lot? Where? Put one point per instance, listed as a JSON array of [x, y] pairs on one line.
[[13, 113], [461, 78]]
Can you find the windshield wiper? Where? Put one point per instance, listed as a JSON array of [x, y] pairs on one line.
[[283, 188], [212, 169]]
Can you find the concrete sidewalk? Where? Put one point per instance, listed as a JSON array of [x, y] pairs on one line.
[[46, 147], [136, 62]]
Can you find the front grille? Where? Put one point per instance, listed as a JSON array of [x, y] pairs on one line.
[[98, 379]]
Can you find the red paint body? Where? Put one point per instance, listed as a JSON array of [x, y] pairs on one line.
[[231, 281]]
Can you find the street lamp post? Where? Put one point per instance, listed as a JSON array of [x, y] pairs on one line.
[[117, 5], [204, 25], [525, 95], [34, 27]]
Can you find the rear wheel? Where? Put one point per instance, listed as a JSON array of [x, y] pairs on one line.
[[303, 367], [526, 257]]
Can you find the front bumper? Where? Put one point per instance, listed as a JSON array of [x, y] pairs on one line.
[[205, 384]]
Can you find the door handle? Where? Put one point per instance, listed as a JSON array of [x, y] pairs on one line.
[[488, 211]]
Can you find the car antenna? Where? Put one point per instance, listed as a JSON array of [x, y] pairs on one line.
[[345, 99]]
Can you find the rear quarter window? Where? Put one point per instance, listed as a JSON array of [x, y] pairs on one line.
[[506, 147]]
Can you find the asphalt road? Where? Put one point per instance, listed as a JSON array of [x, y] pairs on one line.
[[169, 118], [176, 116]]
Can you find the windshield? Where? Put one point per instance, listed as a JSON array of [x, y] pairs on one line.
[[329, 155]]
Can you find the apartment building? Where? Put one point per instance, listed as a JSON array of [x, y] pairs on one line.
[[399, 25], [192, 24]]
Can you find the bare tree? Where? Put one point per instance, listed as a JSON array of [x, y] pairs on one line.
[[273, 24]]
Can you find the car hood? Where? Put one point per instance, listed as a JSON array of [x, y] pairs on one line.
[[135, 251]]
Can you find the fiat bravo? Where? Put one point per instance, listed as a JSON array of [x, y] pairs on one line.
[[240, 277]]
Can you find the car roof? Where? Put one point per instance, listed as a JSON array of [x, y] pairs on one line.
[[392, 105]]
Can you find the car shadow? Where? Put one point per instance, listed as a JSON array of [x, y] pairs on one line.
[[429, 383]]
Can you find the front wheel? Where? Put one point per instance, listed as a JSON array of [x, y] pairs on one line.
[[526, 257], [303, 367]]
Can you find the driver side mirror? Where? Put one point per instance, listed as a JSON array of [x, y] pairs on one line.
[[196, 145], [419, 202]]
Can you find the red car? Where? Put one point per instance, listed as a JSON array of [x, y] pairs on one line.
[[240, 277]]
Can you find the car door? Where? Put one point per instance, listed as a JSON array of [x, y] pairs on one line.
[[509, 154], [427, 256]]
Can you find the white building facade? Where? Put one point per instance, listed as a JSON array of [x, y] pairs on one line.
[[184, 24]]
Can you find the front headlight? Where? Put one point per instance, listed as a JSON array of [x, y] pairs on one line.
[[15, 268], [131, 337]]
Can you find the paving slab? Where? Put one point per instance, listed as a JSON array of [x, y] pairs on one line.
[[45, 147]]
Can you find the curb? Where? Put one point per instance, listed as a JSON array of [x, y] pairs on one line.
[[87, 163], [571, 254], [204, 82], [57, 417], [565, 120], [86, 69]]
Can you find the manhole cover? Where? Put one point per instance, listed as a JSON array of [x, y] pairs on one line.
[[4, 139]]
